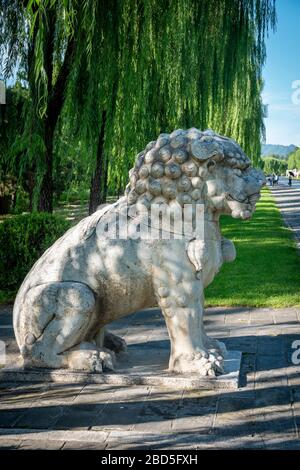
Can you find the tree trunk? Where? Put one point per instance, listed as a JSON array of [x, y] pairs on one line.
[[98, 187], [45, 203], [56, 98]]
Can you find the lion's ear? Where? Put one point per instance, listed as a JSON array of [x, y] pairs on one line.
[[203, 150]]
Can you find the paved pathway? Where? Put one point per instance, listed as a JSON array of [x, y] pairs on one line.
[[288, 201], [263, 413]]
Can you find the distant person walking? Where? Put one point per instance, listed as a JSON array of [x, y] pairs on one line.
[[290, 179]]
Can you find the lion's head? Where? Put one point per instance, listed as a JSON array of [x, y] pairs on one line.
[[190, 166]]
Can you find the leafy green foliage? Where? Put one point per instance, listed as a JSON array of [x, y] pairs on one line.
[[274, 165], [294, 160], [11, 129], [23, 238], [172, 64], [21, 202], [12, 35]]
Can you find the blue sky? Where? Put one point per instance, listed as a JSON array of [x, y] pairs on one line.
[[281, 70]]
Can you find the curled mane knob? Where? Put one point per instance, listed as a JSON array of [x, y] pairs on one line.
[[154, 187], [132, 197], [162, 140], [165, 154], [184, 183], [177, 138], [180, 155], [150, 145], [141, 186], [157, 170], [169, 190], [193, 133], [150, 156], [172, 170], [144, 172], [202, 150], [190, 168]]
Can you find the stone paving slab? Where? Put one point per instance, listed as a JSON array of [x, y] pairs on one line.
[[151, 441], [263, 413]]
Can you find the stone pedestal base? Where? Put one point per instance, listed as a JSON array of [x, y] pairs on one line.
[[142, 365]]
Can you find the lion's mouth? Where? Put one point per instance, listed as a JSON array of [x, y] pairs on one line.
[[248, 204], [247, 200]]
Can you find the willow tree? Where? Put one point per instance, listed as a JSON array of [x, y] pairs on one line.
[[155, 65], [141, 67], [50, 54], [37, 37], [11, 131], [92, 91]]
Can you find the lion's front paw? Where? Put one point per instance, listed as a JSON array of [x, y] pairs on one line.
[[91, 360], [201, 362]]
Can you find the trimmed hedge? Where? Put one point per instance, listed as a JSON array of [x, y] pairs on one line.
[[23, 239]]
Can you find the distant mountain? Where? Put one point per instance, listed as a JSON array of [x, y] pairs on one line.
[[281, 150]]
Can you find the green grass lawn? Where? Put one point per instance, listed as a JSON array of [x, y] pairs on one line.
[[266, 272]]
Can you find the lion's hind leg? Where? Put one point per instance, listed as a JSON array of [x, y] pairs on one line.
[[58, 319], [107, 339]]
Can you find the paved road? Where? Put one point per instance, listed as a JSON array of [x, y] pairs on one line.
[[288, 201], [263, 414], [283, 181]]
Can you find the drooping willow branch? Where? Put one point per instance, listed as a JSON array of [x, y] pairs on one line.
[[151, 66]]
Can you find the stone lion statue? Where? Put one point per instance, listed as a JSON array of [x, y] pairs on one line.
[[87, 279]]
